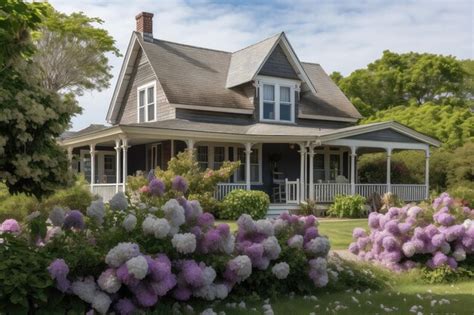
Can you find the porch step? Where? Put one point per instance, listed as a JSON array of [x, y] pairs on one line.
[[275, 209]]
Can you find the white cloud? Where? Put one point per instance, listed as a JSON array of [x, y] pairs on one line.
[[340, 35]]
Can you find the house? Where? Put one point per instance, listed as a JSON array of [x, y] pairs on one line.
[[292, 128]]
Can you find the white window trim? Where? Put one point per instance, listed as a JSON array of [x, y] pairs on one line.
[[100, 161], [150, 146], [294, 85], [210, 157], [141, 88]]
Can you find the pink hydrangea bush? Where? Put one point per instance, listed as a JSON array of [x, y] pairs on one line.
[[441, 234]]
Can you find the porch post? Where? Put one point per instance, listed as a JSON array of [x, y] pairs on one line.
[[311, 172], [427, 173], [353, 170], [69, 156], [117, 164], [389, 158], [190, 143], [92, 154], [302, 181], [125, 161], [248, 151]]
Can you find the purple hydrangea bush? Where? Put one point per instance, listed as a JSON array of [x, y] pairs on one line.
[[176, 251], [441, 234]]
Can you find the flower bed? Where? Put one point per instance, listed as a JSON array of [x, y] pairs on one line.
[[122, 257], [436, 235]]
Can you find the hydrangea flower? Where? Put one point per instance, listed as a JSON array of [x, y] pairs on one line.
[[96, 211], [11, 226], [57, 215], [59, 271], [184, 243], [85, 289], [138, 267], [101, 302], [151, 175], [108, 281], [238, 269], [296, 241], [121, 253], [318, 246], [174, 213], [156, 187], [119, 202], [125, 307], [129, 223], [281, 270], [74, 219], [179, 183]]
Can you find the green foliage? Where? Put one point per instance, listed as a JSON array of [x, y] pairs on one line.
[[252, 202], [308, 208], [402, 79], [461, 166], [23, 275], [31, 117], [201, 184], [16, 206], [83, 48], [372, 168], [207, 202], [465, 194], [446, 274], [452, 125], [348, 206]]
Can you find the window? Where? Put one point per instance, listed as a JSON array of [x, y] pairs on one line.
[[154, 156], [146, 103], [254, 165], [319, 172], [334, 166], [277, 101], [109, 169], [219, 157], [203, 157]]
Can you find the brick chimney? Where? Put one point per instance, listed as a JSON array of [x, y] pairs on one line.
[[145, 24]]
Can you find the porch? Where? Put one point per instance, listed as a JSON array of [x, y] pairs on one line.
[[289, 168]]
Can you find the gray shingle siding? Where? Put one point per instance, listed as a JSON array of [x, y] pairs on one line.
[[277, 65], [214, 117]]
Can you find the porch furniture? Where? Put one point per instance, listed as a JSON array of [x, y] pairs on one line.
[[278, 180]]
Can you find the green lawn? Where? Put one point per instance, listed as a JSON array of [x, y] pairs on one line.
[[339, 231]]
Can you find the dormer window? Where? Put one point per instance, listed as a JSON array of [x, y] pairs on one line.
[[146, 103], [277, 100]]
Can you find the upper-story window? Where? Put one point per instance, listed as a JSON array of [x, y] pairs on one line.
[[277, 100], [146, 103]]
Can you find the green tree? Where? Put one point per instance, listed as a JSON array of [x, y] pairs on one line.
[[72, 52], [31, 117], [403, 79]]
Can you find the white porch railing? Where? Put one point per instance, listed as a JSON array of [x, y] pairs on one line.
[[367, 190], [106, 191], [408, 192], [292, 191], [327, 191], [223, 189]]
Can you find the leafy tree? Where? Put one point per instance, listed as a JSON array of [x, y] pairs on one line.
[[31, 117], [460, 170], [404, 79], [72, 52], [452, 125]]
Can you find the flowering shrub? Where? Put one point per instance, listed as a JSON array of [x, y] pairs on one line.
[[237, 202], [434, 236], [126, 257], [348, 206]]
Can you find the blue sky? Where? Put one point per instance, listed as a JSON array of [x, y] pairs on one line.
[[340, 35]]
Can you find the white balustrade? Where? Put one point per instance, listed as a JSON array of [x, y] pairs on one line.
[[106, 191], [223, 189], [367, 190], [407, 192], [325, 192], [292, 191]]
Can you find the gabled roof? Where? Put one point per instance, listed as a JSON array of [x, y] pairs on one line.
[[214, 79]]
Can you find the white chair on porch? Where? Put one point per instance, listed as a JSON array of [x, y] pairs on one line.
[[279, 194]]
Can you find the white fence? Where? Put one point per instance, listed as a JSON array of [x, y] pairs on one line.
[[326, 192], [223, 189], [106, 191], [292, 191], [409, 192]]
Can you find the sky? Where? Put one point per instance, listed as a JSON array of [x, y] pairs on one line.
[[340, 35]]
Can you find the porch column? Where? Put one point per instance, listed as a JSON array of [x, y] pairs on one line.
[[389, 158], [427, 173], [125, 161], [92, 154], [353, 170], [311, 172], [190, 143], [69, 156], [117, 164], [302, 181], [248, 151]]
